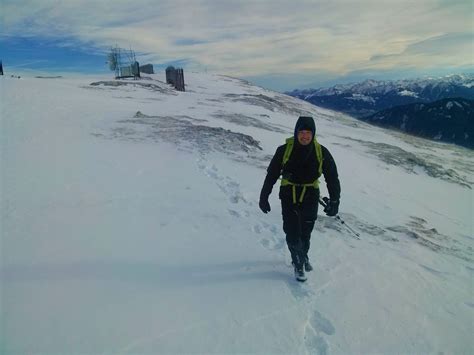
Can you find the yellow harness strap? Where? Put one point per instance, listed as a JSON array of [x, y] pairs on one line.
[[285, 182]]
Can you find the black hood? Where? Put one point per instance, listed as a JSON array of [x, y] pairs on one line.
[[302, 166], [305, 123]]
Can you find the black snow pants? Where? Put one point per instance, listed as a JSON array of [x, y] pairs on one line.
[[298, 221]]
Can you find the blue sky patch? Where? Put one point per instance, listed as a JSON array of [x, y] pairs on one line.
[[51, 54]]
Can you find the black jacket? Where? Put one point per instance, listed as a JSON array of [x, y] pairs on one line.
[[302, 167]]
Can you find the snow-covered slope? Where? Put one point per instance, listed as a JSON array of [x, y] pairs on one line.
[[130, 225]]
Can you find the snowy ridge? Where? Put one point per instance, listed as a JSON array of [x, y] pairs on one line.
[[370, 96], [130, 222], [371, 86]]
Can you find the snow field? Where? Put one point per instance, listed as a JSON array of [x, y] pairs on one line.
[[128, 243]]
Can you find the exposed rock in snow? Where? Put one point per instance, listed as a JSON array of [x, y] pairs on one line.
[[183, 131]]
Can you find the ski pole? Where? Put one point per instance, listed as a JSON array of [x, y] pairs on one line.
[[356, 235]]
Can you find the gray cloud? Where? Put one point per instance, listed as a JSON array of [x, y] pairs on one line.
[[446, 49], [442, 44], [434, 46]]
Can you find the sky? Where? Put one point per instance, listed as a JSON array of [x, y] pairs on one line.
[[281, 45]]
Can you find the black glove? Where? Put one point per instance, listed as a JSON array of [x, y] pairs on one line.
[[332, 207], [264, 205]]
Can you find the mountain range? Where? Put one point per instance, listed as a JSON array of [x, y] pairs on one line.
[[446, 120], [390, 103]]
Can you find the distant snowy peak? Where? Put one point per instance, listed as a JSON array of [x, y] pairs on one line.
[[369, 96], [371, 86], [408, 93]]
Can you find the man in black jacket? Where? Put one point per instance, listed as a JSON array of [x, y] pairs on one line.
[[300, 162]]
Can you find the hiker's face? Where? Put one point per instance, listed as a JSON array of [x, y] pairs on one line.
[[305, 137]]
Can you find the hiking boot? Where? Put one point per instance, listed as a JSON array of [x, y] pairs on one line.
[[299, 274], [307, 265]]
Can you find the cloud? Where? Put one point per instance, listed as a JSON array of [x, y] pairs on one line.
[[444, 50], [255, 38], [444, 44]]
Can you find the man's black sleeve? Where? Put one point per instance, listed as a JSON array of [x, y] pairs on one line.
[[273, 172], [330, 175]]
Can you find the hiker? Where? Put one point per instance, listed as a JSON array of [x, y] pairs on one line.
[[300, 162]]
